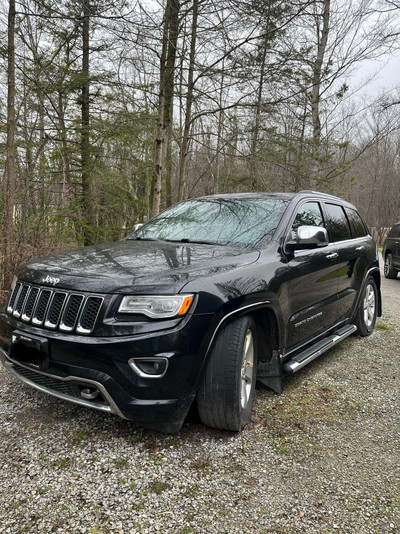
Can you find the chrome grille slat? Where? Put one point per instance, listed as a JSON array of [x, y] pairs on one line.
[[54, 309], [89, 314], [71, 312], [41, 307], [20, 301], [13, 297], [30, 304]]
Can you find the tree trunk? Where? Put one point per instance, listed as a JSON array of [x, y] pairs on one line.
[[10, 165], [173, 32], [317, 75], [189, 102], [165, 99], [220, 142], [160, 134], [254, 182], [322, 36], [87, 201]]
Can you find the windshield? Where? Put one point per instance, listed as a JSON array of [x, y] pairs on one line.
[[243, 221]]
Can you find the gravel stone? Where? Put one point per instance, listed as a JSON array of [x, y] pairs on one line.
[[322, 457]]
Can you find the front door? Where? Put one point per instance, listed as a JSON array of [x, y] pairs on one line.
[[312, 285]]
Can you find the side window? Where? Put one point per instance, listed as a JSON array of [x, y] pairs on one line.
[[395, 231], [338, 226], [357, 226], [308, 215]]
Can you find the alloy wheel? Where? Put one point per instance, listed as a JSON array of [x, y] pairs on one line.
[[369, 305]]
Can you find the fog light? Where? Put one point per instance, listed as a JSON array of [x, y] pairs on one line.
[[149, 367]]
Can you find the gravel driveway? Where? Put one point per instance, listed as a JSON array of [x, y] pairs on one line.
[[322, 457]]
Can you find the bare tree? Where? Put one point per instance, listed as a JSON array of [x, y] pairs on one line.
[[189, 102], [10, 188], [87, 198], [322, 32], [165, 97]]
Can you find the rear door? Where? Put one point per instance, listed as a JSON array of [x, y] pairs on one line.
[[355, 248]]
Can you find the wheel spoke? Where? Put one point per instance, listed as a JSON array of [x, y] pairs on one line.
[[247, 369], [248, 372]]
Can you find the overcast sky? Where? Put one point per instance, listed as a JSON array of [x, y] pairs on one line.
[[385, 72]]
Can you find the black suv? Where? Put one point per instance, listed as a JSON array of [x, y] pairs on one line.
[[391, 252], [198, 303]]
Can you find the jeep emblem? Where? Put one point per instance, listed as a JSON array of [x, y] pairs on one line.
[[50, 280]]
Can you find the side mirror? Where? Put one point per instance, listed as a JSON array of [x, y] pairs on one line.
[[308, 237], [137, 226]]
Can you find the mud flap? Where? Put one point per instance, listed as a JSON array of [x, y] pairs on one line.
[[269, 374]]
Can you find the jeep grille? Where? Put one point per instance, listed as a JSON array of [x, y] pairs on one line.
[[54, 309]]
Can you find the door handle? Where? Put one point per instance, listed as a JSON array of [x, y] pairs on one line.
[[359, 249], [332, 256]]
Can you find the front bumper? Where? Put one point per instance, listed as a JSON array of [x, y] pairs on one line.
[[97, 373]]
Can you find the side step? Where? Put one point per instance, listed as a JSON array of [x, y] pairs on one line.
[[308, 355]]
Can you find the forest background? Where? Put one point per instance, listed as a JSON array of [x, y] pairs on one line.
[[112, 110]]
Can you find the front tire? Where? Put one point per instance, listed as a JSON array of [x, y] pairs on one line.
[[367, 309], [389, 271], [226, 393]]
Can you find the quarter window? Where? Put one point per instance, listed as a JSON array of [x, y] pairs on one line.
[[356, 223], [338, 225]]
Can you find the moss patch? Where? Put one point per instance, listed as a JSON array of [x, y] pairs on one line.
[[302, 414]]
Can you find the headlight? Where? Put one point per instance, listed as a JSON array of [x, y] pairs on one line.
[[156, 306]]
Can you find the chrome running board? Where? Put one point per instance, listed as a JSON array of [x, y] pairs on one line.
[[306, 356]]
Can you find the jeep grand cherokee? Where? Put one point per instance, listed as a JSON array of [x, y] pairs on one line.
[[198, 304]]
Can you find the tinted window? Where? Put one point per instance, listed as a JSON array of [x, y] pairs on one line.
[[243, 221], [338, 225], [308, 215], [356, 224]]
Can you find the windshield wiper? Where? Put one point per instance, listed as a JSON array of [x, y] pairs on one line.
[[183, 240], [145, 238], [201, 241]]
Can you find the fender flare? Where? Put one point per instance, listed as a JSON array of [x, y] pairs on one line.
[[232, 315], [371, 272]]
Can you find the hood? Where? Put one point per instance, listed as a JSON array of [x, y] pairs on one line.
[[131, 265]]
